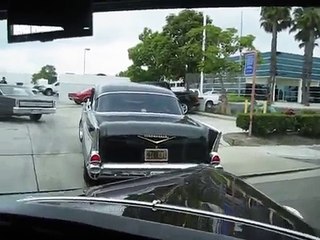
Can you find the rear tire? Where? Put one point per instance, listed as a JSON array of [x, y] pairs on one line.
[[209, 106], [35, 117], [77, 102], [48, 92]]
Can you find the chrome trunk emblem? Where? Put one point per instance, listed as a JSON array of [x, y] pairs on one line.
[[156, 139]]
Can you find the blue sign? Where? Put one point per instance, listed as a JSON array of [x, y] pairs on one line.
[[249, 62]]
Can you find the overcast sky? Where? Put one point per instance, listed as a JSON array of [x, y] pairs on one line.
[[114, 33]]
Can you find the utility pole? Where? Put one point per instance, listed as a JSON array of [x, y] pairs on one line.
[[203, 50], [84, 59], [240, 56], [250, 70]]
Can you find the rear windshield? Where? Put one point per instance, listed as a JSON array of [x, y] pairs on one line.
[[138, 102]]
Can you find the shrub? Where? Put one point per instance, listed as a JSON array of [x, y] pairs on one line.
[[309, 125], [289, 111], [264, 124], [242, 121], [308, 112]]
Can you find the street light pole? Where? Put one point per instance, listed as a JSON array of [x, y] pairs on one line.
[[240, 55], [203, 51], [253, 91], [84, 59]]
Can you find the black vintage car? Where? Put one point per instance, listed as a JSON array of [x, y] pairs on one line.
[[195, 203], [132, 130], [205, 188], [16, 100], [188, 99]]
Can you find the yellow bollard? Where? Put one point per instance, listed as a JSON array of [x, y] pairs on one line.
[[246, 106], [264, 107]]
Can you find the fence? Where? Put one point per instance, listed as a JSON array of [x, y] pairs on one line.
[[232, 84], [237, 85]]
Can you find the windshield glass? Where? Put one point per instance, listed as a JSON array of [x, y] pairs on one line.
[[243, 94], [15, 91], [138, 102]]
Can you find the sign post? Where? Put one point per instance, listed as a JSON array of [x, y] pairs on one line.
[[250, 70]]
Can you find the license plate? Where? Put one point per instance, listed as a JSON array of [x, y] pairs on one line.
[[156, 155]]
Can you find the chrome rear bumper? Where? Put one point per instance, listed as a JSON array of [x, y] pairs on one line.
[[31, 111], [113, 170]]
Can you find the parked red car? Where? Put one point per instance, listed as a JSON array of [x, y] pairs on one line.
[[80, 97]]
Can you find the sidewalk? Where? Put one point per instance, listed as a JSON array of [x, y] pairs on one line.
[[247, 161], [293, 105], [225, 117]]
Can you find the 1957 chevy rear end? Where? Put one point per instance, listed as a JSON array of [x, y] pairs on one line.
[[150, 135], [150, 145]]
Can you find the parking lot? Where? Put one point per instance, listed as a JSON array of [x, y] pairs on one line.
[[41, 156], [45, 156]]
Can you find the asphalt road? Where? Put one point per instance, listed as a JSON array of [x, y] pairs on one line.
[[46, 157], [41, 156], [297, 190]]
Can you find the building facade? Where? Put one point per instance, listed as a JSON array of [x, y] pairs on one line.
[[288, 85]]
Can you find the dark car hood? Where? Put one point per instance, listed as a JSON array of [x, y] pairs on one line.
[[204, 188], [149, 124]]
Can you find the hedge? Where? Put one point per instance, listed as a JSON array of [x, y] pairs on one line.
[[309, 125], [264, 124]]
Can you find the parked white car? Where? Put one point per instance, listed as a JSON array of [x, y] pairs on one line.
[[50, 89], [208, 100]]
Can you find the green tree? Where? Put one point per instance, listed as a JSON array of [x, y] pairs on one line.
[[149, 57], [274, 20], [123, 74], [176, 50], [164, 53], [307, 27], [221, 44], [47, 72], [183, 57]]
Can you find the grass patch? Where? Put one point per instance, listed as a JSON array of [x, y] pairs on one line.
[[233, 97]]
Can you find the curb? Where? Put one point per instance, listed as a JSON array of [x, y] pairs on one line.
[[230, 118], [244, 176], [233, 141]]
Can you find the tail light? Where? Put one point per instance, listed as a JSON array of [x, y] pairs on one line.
[[95, 158], [214, 159]]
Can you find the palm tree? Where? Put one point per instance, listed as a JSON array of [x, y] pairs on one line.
[[306, 24], [274, 20]]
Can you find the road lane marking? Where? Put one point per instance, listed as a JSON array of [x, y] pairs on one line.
[[32, 157]]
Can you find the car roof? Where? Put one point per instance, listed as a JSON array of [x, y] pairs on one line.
[[131, 87]]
